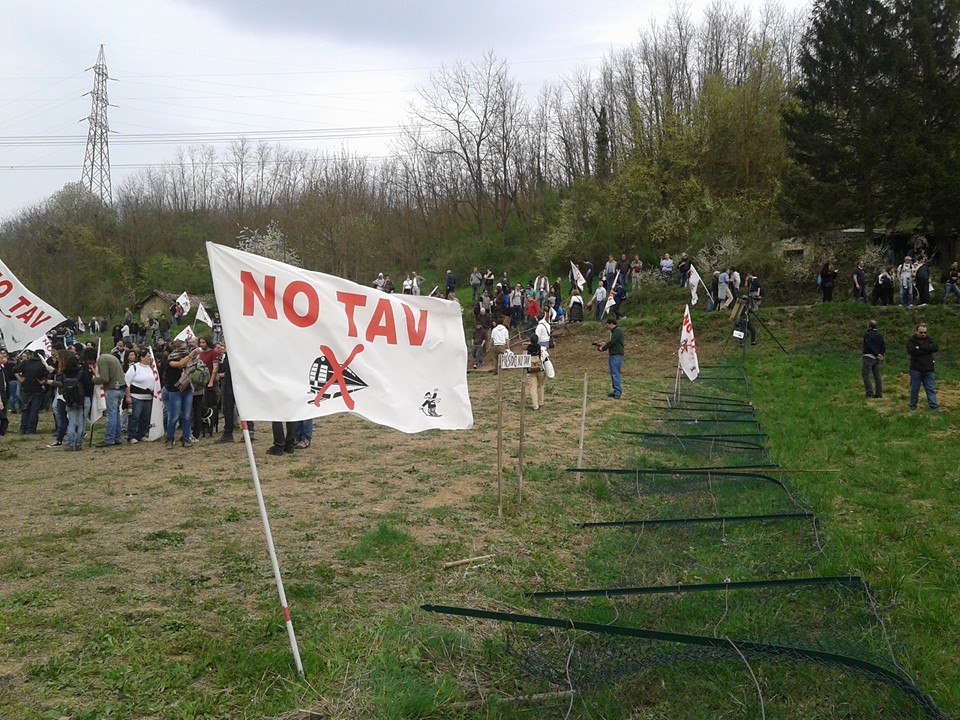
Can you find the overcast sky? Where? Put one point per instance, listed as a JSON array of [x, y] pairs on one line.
[[205, 71]]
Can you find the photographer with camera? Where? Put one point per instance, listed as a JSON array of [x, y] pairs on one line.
[[614, 346]]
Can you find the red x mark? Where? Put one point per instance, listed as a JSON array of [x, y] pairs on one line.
[[336, 375]]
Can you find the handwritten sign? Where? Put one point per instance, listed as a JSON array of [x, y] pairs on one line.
[[510, 361]]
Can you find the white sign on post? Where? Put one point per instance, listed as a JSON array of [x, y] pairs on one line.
[[511, 361]]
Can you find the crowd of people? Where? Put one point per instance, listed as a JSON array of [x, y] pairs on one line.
[[908, 284], [196, 391]]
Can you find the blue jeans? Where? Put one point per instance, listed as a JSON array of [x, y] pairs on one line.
[[112, 435], [306, 430], [77, 423], [616, 366], [30, 414], [16, 402], [948, 290], [138, 424], [906, 294], [917, 379], [179, 406]]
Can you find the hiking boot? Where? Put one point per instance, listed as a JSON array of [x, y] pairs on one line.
[[289, 449], [275, 450], [227, 437], [168, 444]]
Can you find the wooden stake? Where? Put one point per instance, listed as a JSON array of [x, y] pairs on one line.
[[466, 561], [523, 407], [499, 440], [583, 420]]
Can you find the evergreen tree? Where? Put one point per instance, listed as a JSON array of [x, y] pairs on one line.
[[838, 124]]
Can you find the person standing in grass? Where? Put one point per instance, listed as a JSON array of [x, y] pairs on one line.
[[951, 280], [874, 348], [921, 348], [614, 346]]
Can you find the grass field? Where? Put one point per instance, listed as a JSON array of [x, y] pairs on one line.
[[134, 582]]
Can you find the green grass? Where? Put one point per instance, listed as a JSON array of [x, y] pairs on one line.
[[187, 625]]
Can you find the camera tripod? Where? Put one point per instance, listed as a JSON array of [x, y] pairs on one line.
[[745, 308]]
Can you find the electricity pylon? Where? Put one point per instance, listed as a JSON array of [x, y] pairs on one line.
[[96, 162]]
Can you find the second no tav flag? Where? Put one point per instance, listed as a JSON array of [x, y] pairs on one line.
[[304, 344]]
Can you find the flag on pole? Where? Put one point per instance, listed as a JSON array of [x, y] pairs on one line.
[[688, 348], [41, 343], [156, 430], [24, 317], [187, 334], [202, 315], [304, 344], [184, 302], [577, 276], [694, 283], [611, 294], [99, 405], [80, 324]]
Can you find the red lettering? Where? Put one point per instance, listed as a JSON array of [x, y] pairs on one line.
[[351, 301], [381, 324], [416, 332], [20, 303], [267, 296], [40, 319], [5, 287], [27, 314], [299, 287]]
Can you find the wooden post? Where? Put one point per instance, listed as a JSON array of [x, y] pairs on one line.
[[499, 439], [523, 407], [583, 420]]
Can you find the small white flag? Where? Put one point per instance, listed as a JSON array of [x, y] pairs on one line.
[[202, 315], [396, 360], [688, 348], [24, 317], [187, 334], [694, 283], [577, 276], [99, 405], [80, 325], [156, 430], [611, 294], [184, 302]]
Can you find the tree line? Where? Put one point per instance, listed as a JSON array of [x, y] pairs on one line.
[[734, 129]]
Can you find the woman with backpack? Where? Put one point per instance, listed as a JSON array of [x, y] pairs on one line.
[[77, 390]]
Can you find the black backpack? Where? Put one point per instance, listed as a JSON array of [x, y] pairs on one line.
[[72, 391]]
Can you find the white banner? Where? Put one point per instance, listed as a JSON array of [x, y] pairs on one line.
[[187, 334], [202, 315], [41, 343], [577, 276], [694, 283], [512, 361], [688, 348], [156, 430], [184, 302], [23, 316], [304, 344]]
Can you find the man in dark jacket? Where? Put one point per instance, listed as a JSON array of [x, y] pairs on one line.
[[922, 280], [874, 348], [614, 346], [4, 392], [921, 349], [32, 373]]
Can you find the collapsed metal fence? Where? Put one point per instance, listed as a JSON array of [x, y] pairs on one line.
[[737, 554]]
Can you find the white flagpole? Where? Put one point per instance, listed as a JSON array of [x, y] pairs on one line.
[[294, 648], [676, 387]]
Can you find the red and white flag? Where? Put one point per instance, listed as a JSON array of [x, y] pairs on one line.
[[304, 344], [184, 302], [577, 276], [99, 405], [612, 294], [187, 334], [203, 316], [41, 343], [24, 317], [688, 348]]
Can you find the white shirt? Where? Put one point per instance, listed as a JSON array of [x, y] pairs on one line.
[[543, 332], [408, 284], [600, 295], [500, 335]]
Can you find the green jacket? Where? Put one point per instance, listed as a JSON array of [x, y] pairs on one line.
[[615, 343]]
